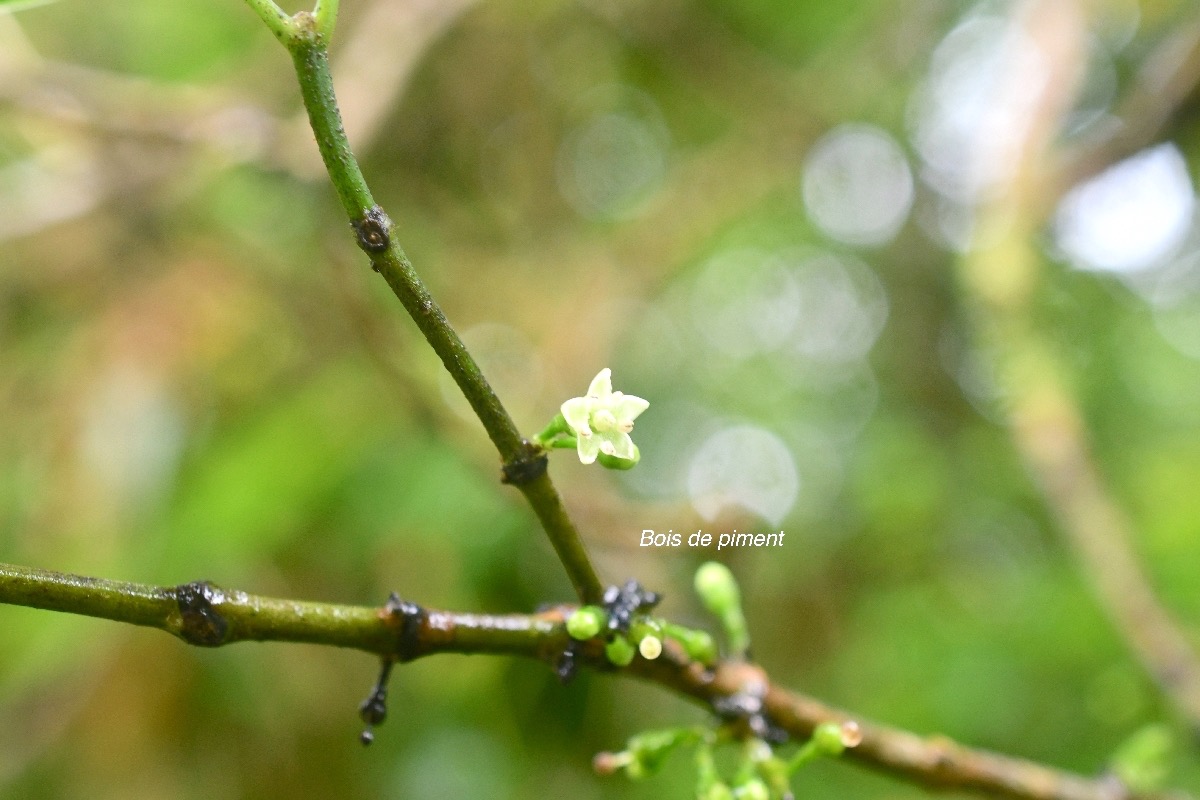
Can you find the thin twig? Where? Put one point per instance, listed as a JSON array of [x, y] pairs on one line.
[[206, 615], [524, 464], [374, 63], [1049, 432]]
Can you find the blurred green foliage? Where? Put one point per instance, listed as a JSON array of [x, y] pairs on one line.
[[199, 378]]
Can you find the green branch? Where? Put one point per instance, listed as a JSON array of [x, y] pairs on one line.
[[306, 37], [206, 615]]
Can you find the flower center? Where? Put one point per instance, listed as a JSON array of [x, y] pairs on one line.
[[604, 421]]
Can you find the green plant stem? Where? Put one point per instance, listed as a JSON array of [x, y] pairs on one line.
[[308, 47], [275, 18], [206, 615], [311, 59], [568, 546], [325, 14]]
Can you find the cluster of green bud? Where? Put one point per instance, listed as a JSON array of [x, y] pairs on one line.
[[747, 784], [645, 753], [719, 592], [753, 789], [760, 775], [645, 637]]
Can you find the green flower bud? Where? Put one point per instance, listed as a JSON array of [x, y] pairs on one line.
[[718, 590], [616, 462], [775, 773], [636, 770], [827, 739], [716, 791], [619, 651], [699, 645], [650, 749], [706, 767], [753, 789], [586, 622], [608, 763], [643, 626], [703, 648]]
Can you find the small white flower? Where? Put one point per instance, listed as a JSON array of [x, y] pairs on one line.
[[602, 420]]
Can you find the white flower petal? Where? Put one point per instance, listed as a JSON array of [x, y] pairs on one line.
[[601, 386], [629, 407], [622, 445], [588, 448], [576, 412]]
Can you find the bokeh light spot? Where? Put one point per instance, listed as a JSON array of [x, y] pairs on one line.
[[826, 308], [612, 164], [857, 185], [1131, 216], [133, 434], [746, 301], [843, 308], [743, 466], [970, 114]]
